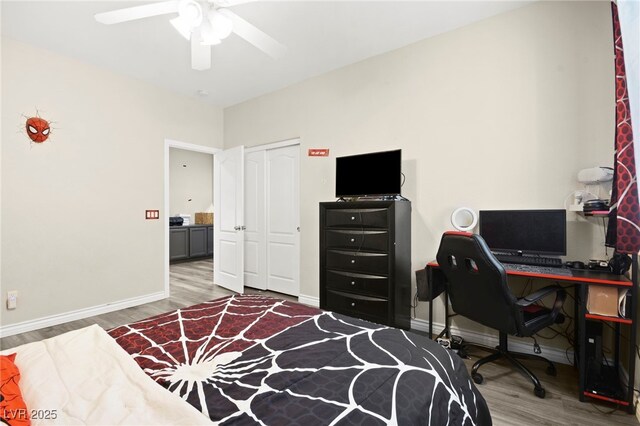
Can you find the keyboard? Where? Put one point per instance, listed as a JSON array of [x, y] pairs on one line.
[[530, 260], [534, 269]]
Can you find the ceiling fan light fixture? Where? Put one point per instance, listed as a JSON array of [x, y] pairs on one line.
[[190, 12], [210, 41], [220, 23], [209, 37]]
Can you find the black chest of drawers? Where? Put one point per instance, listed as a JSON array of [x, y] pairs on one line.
[[365, 260]]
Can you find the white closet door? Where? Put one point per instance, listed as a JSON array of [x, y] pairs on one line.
[[228, 214], [283, 220], [255, 256]]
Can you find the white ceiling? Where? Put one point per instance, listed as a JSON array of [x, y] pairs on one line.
[[320, 36]]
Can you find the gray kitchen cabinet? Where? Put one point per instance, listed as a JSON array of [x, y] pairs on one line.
[[178, 243], [190, 242], [197, 241], [210, 241]]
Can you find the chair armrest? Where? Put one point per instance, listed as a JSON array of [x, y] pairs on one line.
[[534, 297], [561, 295]]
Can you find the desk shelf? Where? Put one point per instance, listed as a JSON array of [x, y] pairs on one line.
[[609, 382], [607, 385], [596, 213], [607, 318], [606, 398]]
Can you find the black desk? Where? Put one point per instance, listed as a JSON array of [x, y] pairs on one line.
[[580, 279]]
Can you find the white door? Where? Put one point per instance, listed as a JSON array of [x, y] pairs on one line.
[[228, 218], [283, 220], [255, 259]]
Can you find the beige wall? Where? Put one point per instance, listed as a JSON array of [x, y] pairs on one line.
[[191, 182], [501, 114], [73, 229]]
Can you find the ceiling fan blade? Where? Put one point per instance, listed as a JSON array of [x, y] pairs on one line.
[[200, 54], [253, 35], [230, 3], [137, 12]]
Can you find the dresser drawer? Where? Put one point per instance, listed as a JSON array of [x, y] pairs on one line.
[[366, 307], [367, 218], [358, 283], [370, 263], [357, 240]]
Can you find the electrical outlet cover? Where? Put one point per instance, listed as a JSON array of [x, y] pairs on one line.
[[12, 299]]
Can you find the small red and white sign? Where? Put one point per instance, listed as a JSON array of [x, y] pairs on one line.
[[318, 152], [152, 214]]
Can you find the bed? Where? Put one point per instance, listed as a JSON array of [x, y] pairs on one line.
[[251, 359]]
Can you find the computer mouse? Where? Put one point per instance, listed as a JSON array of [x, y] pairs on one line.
[[575, 264]]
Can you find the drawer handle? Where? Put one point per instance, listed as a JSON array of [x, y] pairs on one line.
[[353, 283], [353, 240], [353, 304], [353, 261], [353, 218]]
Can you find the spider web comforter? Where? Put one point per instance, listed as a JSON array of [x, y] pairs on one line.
[[258, 360]]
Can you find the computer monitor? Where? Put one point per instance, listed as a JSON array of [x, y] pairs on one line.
[[525, 231]]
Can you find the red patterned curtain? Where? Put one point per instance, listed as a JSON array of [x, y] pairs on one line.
[[623, 232]]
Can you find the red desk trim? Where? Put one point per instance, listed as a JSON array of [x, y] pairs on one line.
[[605, 398], [623, 282], [607, 318]]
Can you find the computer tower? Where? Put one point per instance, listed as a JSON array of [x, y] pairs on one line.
[[593, 348], [601, 377]]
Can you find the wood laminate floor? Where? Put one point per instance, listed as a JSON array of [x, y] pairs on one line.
[[190, 283], [512, 402], [509, 395]]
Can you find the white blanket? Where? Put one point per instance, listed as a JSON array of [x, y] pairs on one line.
[[86, 378]]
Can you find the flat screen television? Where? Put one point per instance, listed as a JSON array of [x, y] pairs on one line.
[[372, 174], [525, 231]]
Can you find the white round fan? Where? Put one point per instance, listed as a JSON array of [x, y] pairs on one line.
[[204, 23]]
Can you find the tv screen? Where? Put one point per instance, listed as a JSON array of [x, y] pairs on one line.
[[527, 231], [373, 174]]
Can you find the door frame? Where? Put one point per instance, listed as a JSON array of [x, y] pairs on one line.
[[170, 143], [272, 145]]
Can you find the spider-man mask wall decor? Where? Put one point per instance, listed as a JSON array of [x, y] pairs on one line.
[[38, 129]]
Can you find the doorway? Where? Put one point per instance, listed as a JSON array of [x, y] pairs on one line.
[[196, 198]]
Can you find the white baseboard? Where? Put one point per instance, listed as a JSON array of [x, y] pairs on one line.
[[551, 353], [36, 324], [309, 300]]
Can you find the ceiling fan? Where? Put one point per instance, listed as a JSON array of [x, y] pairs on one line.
[[204, 23]]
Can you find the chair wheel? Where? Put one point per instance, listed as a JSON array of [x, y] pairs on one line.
[[477, 377], [539, 392], [551, 370]]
